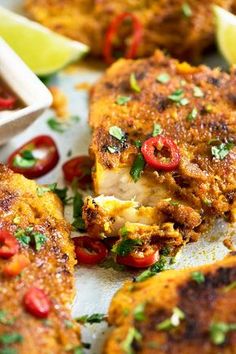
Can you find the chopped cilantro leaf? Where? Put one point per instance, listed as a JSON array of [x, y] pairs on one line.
[[192, 115], [117, 133], [134, 83], [41, 190], [94, 318], [197, 92], [221, 151], [10, 338], [62, 194], [57, 126], [126, 246], [157, 129], [139, 312], [121, 100], [198, 277], [39, 240], [176, 96], [112, 149], [186, 9], [78, 350], [28, 236], [174, 321], [154, 269], [219, 330], [78, 203], [133, 335], [137, 167], [184, 101], [163, 78]]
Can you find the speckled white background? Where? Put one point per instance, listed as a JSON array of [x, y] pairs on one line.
[[95, 286]]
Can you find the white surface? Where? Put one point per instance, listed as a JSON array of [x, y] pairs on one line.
[[95, 286]]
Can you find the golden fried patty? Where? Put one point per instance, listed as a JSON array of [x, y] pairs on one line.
[[193, 106], [183, 28], [177, 311], [25, 206]]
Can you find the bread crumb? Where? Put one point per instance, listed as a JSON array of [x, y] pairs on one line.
[[60, 103]]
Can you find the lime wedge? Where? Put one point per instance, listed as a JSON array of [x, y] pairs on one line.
[[226, 33], [44, 51]]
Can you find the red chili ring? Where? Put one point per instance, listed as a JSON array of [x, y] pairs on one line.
[[36, 302], [78, 168], [112, 31], [9, 245], [159, 142], [89, 250], [43, 165], [138, 261]]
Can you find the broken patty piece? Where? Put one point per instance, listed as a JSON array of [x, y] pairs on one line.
[[177, 311], [36, 270], [185, 117]]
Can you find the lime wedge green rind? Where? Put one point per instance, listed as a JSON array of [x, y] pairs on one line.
[[44, 51], [226, 33]]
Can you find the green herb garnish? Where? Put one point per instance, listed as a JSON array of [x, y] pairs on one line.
[[221, 151], [230, 287], [94, 318], [184, 101], [7, 350], [78, 203], [57, 126], [198, 277], [176, 96], [133, 335], [139, 312], [41, 190], [153, 270], [117, 133], [174, 321], [137, 167], [122, 100], [192, 115], [157, 129], [134, 83], [126, 246], [197, 92], [186, 9], [10, 338], [112, 149], [163, 78], [62, 195], [78, 350], [219, 330], [28, 236], [138, 144]]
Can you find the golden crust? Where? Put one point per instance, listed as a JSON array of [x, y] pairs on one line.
[[50, 269], [202, 304], [203, 186], [164, 22]]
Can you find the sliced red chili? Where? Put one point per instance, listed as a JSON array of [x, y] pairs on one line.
[[7, 102], [139, 259], [8, 244], [15, 266], [161, 153], [89, 250], [37, 303], [35, 158], [112, 32], [78, 168]]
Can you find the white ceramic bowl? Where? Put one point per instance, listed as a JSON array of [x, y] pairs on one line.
[[26, 85]]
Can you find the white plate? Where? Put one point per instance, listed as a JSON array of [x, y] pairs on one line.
[[96, 286]]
